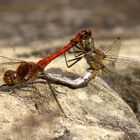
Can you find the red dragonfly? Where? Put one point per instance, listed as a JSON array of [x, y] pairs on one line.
[[27, 71]]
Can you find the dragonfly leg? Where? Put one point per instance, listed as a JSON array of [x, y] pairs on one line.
[[14, 93], [54, 96], [75, 45], [36, 90], [75, 60], [76, 51], [56, 92]]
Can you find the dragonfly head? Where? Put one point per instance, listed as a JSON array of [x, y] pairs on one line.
[[10, 77], [85, 34], [87, 44]]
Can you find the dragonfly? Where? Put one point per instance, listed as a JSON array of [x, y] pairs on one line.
[[103, 61], [104, 58], [27, 72]]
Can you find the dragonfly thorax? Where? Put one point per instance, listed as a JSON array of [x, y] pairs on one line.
[[95, 58], [24, 72]]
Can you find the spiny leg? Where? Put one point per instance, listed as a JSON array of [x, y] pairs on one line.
[[39, 98], [74, 50], [14, 93], [75, 60], [54, 96], [75, 45]]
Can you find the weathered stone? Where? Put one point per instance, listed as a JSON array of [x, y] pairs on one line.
[[93, 112]]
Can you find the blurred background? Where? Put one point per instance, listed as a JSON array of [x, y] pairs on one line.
[[46, 25], [24, 22]]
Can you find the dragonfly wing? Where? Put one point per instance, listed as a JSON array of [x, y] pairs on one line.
[[47, 101], [113, 48], [36, 95], [121, 73], [125, 82], [8, 60], [120, 63]]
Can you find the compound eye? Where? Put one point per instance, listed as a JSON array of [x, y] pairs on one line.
[[10, 73], [9, 77], [7, 74]]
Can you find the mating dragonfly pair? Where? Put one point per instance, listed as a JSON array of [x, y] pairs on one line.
[[82, 46], [26, 74]]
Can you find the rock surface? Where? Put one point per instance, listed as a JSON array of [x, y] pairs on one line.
[[94, 112]]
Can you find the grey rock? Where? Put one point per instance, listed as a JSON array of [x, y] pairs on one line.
[[94, 112]]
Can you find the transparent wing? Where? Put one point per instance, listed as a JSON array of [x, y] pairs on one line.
[[9, 61], [48, 102], [120, 62], [126, 82], [123, 75], [115, 66], [114, 61], [113, 48], [37, 95]]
